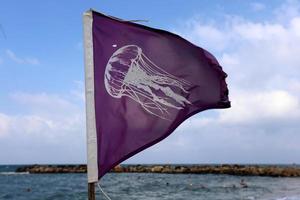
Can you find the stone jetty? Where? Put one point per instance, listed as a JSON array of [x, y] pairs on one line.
[[240, 170]]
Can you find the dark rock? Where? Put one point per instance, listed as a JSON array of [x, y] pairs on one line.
[[241, 170]]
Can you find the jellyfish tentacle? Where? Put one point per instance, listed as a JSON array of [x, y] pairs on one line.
[[146, 107], [163, 72], [165, 78], [148, 97], [130, 73]]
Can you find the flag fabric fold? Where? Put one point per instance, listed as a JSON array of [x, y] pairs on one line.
[[141, 84]]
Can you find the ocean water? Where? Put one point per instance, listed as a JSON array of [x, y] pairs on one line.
[[128, 186]]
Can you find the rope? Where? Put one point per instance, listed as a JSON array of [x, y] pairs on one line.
[[138, 20], [133, 20], [106, 196]]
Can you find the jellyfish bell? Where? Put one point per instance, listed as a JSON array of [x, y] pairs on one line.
[[126, 54], [117, 68], [129, 72]]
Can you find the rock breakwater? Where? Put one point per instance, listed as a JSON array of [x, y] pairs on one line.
[[241, 170]]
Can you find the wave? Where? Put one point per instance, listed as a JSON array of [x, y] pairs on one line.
[[289, 198], [13, 173]]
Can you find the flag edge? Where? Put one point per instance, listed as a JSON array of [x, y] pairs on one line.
[[91, 132], [219, 105]]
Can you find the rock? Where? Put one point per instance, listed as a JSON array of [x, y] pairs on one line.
[[118, 169], [157, 169], [242, 170]]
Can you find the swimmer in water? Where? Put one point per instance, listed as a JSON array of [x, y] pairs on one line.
[[243, 184]]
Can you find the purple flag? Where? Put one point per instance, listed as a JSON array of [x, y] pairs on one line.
[[141, 84]]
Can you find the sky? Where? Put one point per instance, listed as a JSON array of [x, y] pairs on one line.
[[42, 105]]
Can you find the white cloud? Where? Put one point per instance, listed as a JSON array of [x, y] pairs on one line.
[[4, 124], [294, 86], [46, 114], [33, 61], [210, 141], [19, 60], [263, 63], [205, 35], [44, 103], [288, 10], [50, 123], [79, 91], [13, 57], [253, 107], [255, 54]]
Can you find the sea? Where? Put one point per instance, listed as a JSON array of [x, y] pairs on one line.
[[145, 186]]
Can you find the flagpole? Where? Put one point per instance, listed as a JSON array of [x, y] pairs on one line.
[[91, 191]]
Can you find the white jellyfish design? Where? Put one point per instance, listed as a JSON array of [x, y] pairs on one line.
[[129, 72]]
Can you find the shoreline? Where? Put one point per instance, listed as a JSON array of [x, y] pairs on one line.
[[229, 169]]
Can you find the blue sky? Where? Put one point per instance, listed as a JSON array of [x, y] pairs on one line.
[[257, 42]]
